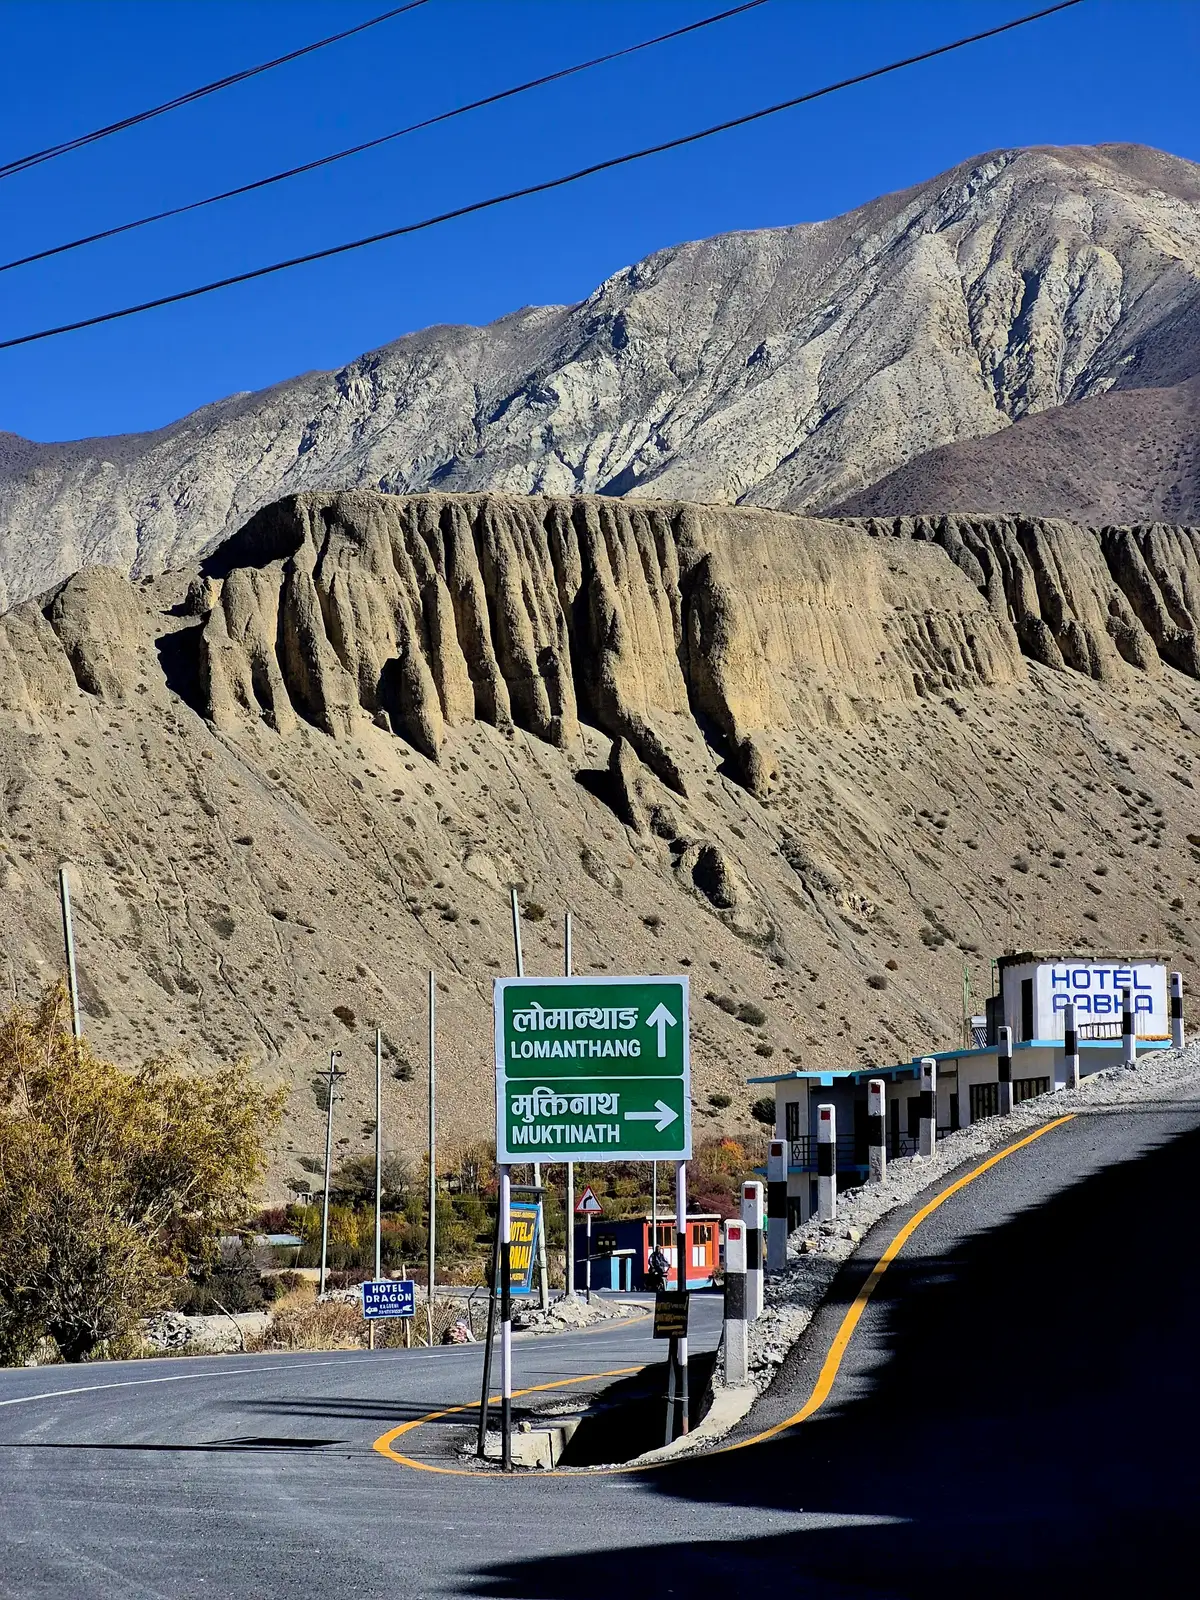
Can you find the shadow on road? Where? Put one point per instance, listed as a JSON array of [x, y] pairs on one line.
[[1020, 1417]]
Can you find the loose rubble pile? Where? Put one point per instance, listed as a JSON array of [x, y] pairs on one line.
[[817, 1250], [220, 1334], [569, 1313]]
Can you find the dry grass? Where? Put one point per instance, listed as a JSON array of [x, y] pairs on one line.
[[298, 1322], [329, 1326]]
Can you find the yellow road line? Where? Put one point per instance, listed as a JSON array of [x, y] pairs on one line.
[[825, 1378], [841, 1341], [384, 1443]]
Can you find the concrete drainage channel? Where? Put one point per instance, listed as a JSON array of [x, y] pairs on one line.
[[627, 1420]]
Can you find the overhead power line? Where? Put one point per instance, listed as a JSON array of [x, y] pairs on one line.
[[36, 157], [386, 138], [533, 188]]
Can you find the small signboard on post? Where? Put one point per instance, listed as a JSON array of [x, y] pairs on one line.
[[588, 1205], [389, 1297], [671, 1314], [523, 1236], [592, 1069]]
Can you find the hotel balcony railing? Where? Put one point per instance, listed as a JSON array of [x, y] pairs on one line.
[[802, 1152]]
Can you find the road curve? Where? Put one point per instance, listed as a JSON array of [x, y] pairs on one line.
[[1017, 1408]]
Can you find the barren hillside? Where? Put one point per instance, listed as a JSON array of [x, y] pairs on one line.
[[1129, 455], [790, 367], [819, 765]]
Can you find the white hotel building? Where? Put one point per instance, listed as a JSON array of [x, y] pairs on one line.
[[1033, 988]]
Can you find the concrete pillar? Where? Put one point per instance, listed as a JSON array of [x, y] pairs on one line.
[[752, 1219], [1128, 1038], [1070, 1048], [826, 1163], [1004, 1069], [735, 1302], [777, 1185], [928, 1106], [1177, 1010], [877, 1129]]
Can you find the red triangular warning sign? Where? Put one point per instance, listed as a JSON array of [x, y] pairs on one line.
[[588, 1205]]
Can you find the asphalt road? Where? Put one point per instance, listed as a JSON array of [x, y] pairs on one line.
[[1019, 1409]]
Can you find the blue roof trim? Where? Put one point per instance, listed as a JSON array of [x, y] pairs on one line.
[[825, 1080]]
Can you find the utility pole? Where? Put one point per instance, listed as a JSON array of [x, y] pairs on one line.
[[543, 1275], [378, 1169], [569, 1253], [432, 1162], [334, 1075], [378, 1153], [64, 895]]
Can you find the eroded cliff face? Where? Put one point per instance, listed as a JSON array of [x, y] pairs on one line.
[[821, 764], [431, 611], [1082, 598]]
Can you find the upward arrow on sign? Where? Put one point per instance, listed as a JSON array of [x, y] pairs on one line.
[[661, 1019]]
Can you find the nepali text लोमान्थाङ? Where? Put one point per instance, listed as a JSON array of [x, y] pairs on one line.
[[604, 1019]]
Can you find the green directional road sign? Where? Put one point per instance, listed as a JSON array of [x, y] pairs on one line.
[[592, 1069]]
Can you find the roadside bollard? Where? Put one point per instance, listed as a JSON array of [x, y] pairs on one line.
[[1128, 1040], [928, 1105], [1177, 1010], [1070, 1048], [752, 1221], [1004, 1069], [735, 1303], [876, 1129], [777, 1220], [826, 1163]]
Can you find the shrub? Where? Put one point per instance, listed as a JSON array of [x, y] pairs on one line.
[[720, 1101], [763, 1110], [108, 1175], [877, 981], [231, 1283], [534, 912], [754, 1016], [724, 1002], [345, 1015], [354, 1181]]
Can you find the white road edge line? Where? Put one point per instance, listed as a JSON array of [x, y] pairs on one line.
[[192, 1377], [350, 1358]]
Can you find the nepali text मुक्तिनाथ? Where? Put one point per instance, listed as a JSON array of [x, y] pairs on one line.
[[604, 1019], [545, 1102]]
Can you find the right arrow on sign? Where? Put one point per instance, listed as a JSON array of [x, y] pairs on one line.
[[661, 1019], [662, 1116]]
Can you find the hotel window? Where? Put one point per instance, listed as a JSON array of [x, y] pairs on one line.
[[985, 1101], [1029, 1088], [791, 1119]]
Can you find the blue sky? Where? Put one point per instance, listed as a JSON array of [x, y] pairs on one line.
[[1106, 70]]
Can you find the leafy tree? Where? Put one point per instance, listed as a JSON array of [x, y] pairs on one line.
[[354, 1181], [107, 1175]]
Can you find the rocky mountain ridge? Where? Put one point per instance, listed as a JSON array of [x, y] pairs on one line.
[[787, 368]]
